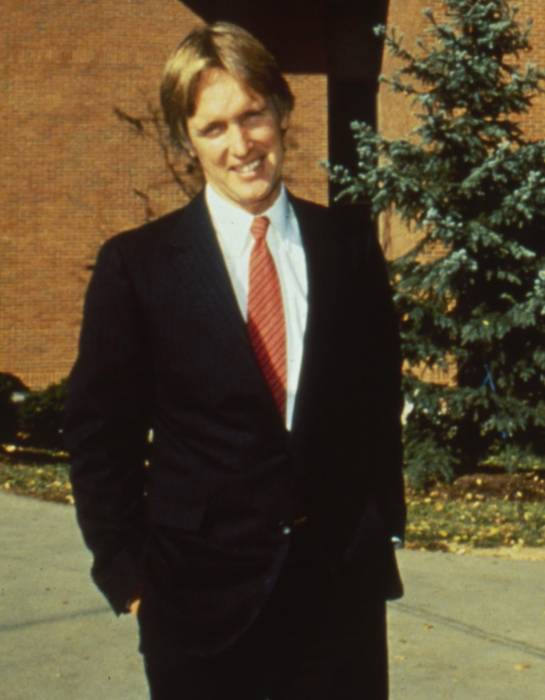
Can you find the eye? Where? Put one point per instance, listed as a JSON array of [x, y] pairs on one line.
[[212, 130], [253, 116]]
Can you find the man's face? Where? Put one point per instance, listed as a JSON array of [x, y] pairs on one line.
[[236, 135]]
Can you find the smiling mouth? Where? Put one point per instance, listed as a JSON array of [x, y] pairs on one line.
[[248, 168]]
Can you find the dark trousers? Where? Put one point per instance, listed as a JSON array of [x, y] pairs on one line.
[[321, 636]]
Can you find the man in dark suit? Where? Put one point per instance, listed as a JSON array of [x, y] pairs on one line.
[[253, 333]]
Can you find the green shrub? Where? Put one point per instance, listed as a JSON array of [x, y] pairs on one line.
[[41, 416], [10, 385]]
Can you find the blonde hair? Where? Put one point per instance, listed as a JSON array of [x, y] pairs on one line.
[[230, 48]]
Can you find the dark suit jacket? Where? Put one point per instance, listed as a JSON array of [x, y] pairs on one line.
[[196, 518]]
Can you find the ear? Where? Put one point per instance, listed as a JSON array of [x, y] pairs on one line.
[[284, 122]]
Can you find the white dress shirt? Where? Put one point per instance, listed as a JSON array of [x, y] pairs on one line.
[[232, 226]]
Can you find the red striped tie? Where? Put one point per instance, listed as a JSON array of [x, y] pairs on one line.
[[266, 325]]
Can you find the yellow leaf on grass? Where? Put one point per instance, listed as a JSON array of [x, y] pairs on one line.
[[521, 667]]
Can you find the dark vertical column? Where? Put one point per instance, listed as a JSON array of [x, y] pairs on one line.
[[294, 31], [354, 60], [350, 99]]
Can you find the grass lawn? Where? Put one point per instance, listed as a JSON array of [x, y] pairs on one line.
[[38, 473], [481, 510], [490, 509]]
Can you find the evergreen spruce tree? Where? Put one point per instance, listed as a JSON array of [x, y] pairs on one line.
[[471, 186]]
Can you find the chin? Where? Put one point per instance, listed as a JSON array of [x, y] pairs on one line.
[[267, 192]]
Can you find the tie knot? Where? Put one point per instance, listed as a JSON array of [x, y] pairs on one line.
[[259, 227]]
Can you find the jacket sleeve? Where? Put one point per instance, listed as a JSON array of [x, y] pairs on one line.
[[106, 428], [389, 399]]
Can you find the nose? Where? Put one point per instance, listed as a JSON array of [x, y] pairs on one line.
[[240, 142]]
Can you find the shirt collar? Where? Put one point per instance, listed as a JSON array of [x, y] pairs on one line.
[[232, 221]]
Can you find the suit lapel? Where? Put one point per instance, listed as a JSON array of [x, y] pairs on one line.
[[323, 280], [198, 260], [200, 267]]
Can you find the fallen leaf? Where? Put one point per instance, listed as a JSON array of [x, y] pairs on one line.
[[521, 667]]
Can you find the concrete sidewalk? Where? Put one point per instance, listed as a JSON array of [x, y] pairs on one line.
[[469, 628]]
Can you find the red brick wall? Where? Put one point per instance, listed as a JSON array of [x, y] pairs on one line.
[[307, 142], [535, 121], [69, 167], [395, 115]]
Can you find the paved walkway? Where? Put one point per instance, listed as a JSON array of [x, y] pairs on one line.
[[469, 628]]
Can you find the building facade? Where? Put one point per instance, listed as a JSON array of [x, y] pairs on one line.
[[80, 160]]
